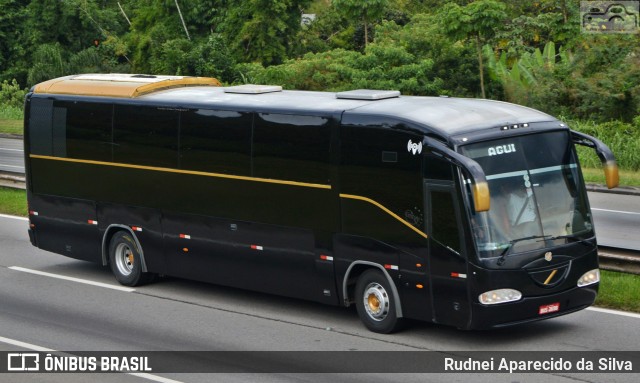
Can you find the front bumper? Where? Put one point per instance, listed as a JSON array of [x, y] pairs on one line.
[[527, 309]]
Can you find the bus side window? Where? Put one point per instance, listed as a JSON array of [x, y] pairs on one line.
[[436, 168], [291, 147], [40, 127], [84, 129], [146, 136], [216, 141]]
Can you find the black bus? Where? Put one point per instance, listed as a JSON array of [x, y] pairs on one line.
[[464, 212]]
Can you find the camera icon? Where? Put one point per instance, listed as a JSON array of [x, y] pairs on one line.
[[609, 16], [23, 361]]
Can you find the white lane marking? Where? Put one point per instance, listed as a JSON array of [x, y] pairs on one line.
[[614, 312], [155, 378], [12, 150], [34, 347], [29, 346], [85, 281], [616, 211], [14, 217]]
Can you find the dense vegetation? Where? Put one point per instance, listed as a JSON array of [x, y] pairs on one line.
[[531, 53]]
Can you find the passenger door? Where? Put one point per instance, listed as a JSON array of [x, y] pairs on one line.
[[447, 261]]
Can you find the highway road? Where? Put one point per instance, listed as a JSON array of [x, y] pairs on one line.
[[89, 311], [617, 219], [11, 155]]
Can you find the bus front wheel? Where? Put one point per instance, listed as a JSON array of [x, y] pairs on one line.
[[375, 303], [126, 261]]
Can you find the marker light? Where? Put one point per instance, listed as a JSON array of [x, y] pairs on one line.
[[495, 297], [589, 278]]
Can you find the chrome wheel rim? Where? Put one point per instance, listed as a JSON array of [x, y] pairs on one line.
[[376, 301], [124, 259]]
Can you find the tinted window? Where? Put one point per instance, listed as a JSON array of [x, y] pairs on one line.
[[146, 136], [291, 147], [445, 226], [84, 129], [216, 141], [437, 169], [511, 154], [395, 184], [40, 135]]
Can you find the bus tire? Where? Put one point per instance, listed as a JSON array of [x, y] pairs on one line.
[[125, 260], [375, 303]]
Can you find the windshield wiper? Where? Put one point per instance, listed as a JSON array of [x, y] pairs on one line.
[[574, 237], [505, 252]]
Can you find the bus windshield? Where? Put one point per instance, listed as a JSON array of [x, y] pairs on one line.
[[537, 196]]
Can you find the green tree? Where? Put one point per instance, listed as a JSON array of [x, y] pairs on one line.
[[50, 61], [381, 66], [365, 10], [12, 49], [526, 71], [422, 36], [203, 57], [74, 24], [59, 37], [11, 95], [477, 21], [330, 30], [262, 30]]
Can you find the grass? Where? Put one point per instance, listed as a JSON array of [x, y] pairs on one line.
[[13, 201], [10, 126], [596, 176], [10, 120], [619, 291]]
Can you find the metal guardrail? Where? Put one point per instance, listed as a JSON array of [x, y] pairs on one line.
[[12, 180], [621, 260]]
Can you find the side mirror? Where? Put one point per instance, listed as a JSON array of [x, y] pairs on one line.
[[604, 153], [481, 196]]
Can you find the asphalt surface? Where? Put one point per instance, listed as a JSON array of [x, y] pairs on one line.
[[174, 314], [11, 155], [616, 219]]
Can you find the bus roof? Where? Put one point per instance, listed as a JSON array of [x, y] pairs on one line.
[[443, 116]]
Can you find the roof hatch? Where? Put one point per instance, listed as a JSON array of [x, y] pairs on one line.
[[368, 94], [253, 89]]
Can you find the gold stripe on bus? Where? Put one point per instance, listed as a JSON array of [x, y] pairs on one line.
[[394, 215], [229, 176], [191, 172]]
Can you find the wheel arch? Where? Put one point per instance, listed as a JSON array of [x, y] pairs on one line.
[[106, 239], [359, 267]]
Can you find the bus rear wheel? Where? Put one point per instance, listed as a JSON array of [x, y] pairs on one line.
[[126, 261], [375, 303]]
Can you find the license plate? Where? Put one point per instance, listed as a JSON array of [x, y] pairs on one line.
[[548, 309]]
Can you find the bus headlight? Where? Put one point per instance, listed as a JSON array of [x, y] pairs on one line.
[[494, 297], [589, 278]]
